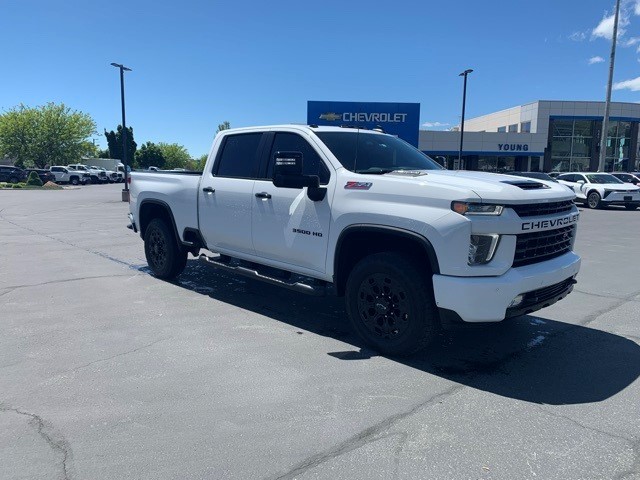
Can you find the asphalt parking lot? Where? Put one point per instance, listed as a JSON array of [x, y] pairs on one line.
[[109, 373]]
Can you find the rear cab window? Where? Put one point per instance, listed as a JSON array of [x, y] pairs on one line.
[[239, 156]]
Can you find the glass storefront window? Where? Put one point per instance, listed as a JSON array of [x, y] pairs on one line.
[[562, 128]]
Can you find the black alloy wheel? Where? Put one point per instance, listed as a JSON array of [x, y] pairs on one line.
[[165, 257], [390, 304]]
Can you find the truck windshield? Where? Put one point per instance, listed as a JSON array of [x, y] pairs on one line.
[[364, 152]]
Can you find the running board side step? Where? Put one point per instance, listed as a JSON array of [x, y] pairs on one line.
[[296, 282]]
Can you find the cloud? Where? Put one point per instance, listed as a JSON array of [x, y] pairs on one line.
[[636, 7], [578, 36], [605, 28], [633, 85], [435, 124], [596, 59], [631, 41]]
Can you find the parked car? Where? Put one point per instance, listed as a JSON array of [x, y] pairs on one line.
[[66, 175], [627, 177], [112, 177], [12, 174], [97, 176], [44, 175], [600, 189], [554, 174], [536, 175]]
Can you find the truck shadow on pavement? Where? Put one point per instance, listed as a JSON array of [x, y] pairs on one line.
[[529, 358]]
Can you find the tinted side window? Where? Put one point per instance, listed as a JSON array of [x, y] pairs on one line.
[[566, 177], [312, 163], [239, 157]]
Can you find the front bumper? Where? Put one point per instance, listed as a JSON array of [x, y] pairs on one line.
[[487, 299], [132, 223], [621, 198]]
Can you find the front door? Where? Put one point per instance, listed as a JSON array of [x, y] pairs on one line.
[[288, 226]]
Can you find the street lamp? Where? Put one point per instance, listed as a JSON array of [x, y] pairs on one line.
[[125, 191], [464, 101]]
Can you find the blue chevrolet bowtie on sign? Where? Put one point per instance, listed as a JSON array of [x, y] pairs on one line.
[[401, 119]]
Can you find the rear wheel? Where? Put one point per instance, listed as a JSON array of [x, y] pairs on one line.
[[593, 200], [631, 206], [165, 257], [74, 181], [390, 304]]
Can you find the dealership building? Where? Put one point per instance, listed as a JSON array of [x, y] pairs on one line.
[[542, 136]]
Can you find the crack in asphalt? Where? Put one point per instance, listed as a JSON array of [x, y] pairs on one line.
[[369, 435], [630, 297], [122, 354], [54, 439], [53, 282], [93, 252]]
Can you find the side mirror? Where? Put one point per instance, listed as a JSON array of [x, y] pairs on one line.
[[581, 182], [287, 172]]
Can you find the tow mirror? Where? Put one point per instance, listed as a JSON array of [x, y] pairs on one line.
[[287, 172]]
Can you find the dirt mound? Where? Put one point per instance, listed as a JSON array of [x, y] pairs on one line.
[[52, 186]]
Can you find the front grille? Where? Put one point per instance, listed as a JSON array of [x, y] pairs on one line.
[[536, 209], [546, 293], [540, 246]]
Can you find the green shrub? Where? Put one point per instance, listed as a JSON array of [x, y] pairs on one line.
[[18, 185], [34, 180]]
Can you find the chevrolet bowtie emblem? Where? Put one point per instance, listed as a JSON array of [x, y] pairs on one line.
[[332, 117]]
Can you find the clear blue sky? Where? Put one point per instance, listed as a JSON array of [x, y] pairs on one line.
[[198, 63]]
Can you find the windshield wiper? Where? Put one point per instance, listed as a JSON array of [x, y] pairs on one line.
[[377, 170]]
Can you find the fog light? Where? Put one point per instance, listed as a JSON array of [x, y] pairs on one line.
[[482, 248], [516, 301]]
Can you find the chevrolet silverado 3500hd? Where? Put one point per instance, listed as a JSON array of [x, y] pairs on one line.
[[363, 214]]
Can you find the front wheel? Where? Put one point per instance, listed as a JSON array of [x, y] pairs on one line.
[[593, 200], [631, 206], [165, 257], [390, 304], [74, 181]]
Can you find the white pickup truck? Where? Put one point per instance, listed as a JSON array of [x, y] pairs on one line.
[[328, 210]]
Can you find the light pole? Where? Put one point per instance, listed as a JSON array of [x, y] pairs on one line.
[[125, 191], [607, 103], [464, 101]]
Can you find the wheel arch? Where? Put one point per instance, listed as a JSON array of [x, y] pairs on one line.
[[153, 208], [358, 241]]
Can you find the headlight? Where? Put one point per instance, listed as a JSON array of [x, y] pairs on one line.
[[482, 248], [466, 208]]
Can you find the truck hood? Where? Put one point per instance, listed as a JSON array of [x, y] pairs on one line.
[[492, 187]]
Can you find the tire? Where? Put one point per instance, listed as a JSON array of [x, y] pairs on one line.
[[390, 304], [593, 200], [165, 257], [74, 181], [630, 206]]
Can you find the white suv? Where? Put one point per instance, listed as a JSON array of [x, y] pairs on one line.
[[599, 189], [97, 176], [66, 175]]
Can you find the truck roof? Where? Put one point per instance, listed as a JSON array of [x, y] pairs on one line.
[[302, 127]]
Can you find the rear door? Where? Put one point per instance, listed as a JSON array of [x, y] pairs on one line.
[[288, 227], [226, 197]]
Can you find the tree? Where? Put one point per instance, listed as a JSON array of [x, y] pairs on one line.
[[223, 126], [46, 135], [176, 156], [114, 142], [150, 155]]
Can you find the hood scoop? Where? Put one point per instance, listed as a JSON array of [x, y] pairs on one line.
[[408, 173], [526, 184]]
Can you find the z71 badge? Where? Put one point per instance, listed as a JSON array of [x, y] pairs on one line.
[[546, 224], [358, 185]]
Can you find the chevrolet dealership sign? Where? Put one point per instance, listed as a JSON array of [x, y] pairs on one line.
[[401, 119]]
